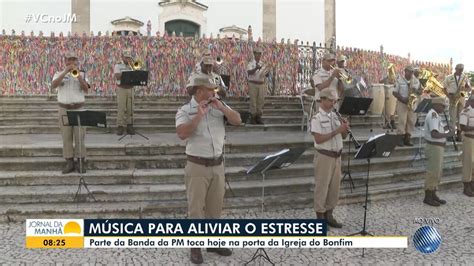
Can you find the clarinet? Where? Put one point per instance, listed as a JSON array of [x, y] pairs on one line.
[[449, 128], [351, 136]]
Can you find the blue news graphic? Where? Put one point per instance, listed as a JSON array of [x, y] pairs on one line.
[[204, 227], [427, 239]]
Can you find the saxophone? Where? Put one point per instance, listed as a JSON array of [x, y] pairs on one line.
[[461, 94], [412, 98]]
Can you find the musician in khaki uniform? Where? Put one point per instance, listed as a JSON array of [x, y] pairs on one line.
[[124, 96], [466, 121], [454, 84], [406, 85], [328, 134], [327, 78], [257, 71], [71, 97], [435, 138], [201, 123]]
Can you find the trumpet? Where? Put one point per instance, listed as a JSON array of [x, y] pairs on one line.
[[351, 136], [136, 65], [219, 60], [344, 77], [75, 73]]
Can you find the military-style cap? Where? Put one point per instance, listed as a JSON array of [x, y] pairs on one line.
[[70, 54], [127, 53], [438, 100], [329, 56], [257, 50], [328, 94], [409, 68], [207, 60], [201, 80], [341, 58]]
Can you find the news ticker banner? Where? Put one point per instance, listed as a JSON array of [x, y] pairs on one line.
[[195, 233]]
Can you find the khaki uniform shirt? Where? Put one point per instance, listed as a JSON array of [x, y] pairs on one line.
[[451, 82], [207, 139], [324, 123], [69, 91], [466, 118], [258, 76], [406, 87], [119, 68], [433, 122], [321, 76]]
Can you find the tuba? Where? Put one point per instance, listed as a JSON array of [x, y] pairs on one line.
[[432, 84]]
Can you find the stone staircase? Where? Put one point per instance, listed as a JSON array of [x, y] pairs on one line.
[[137, 178]]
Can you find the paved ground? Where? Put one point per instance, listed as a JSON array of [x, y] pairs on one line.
[[389, 217]]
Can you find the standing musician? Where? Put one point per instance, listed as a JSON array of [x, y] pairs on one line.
[[435, 138], [124, 96], [328, 132], [327, 78], [207, 67], [257, 71], [71, 86], [455, 84], [404, 87], [466, 121], [201, 123]]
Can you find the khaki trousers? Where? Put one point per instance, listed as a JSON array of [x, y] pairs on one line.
[[406, 119], [124, 106], [70, 135], [454, 111], [434, 155], [467, 159], [327, 180], [257, 98], [205, 189]]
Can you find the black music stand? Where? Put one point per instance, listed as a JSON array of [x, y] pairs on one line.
[[423, 107], [353, 106], [134, 78], [378, 146], [281, 159], [85, 118]]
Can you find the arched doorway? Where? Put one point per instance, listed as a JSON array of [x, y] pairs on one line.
[[188, 28]]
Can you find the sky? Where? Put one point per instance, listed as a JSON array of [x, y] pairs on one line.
[[430, 30]]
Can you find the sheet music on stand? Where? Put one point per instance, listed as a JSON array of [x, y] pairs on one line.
[[280, 159]]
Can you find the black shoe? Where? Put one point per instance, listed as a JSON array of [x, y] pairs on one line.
[[435, 197], [120, 130], [407, 140], [69, 167], [331, 220], [392, 124], [468, 189], [130, 129], [258, 120], [220, 251], [196, 256], [81, 170], [429, 198]]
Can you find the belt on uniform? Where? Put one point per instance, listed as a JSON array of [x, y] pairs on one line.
[[205, 161], [71, 106], [257, 82], [333, 154], [471, 136], [441, 144]]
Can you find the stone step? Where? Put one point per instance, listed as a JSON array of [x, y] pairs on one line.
[[143, 129], [14, 212], [176, 176], [179, 161]]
